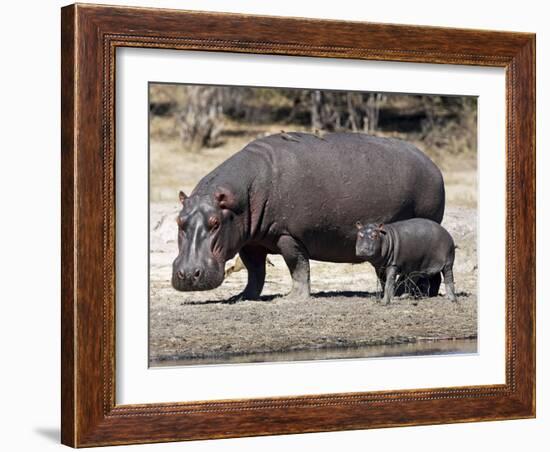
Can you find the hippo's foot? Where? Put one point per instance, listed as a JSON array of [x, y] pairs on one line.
[[243, 296], [452, 298], [385, 300], [297, 295], [450, 291]]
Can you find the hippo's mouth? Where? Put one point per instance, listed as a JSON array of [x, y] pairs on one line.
[[207, 280], [365, 252]]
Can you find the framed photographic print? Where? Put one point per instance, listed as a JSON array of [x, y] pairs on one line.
[[281, 225]]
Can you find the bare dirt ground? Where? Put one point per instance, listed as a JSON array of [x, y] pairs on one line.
[[343, 312]]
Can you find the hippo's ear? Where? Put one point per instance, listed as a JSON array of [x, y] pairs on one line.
[[226, 199], [182, 196], [359, 225], [381, 228]]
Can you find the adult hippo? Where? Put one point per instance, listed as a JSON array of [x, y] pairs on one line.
[[299, 195]]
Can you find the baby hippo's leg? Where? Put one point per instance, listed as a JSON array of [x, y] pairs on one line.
[[391, 273], [449, 282], [381, 274]]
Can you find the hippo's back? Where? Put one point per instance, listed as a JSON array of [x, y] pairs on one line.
[[349, 171]]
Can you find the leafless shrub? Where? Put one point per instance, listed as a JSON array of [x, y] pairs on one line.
[[338, 111], [450, 124], [200, 118], [202, 114]]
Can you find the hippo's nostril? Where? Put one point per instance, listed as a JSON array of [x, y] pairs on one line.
[[180, 274], [197, 273]]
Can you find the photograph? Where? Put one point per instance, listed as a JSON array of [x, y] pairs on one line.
[[297, 224]]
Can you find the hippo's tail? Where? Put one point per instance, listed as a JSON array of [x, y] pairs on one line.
[[441, 208]]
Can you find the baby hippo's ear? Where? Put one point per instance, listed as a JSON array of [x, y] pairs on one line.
[[381, 229], [358, 225], [182, 196]]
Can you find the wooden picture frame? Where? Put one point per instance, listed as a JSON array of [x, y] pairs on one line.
[[90, 36]]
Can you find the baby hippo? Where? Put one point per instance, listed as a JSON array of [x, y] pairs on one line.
[[416, 248]]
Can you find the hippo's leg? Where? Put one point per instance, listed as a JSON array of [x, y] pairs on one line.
[[381, 273], [297, 260], [253, 258], [391, 273], [434, 283], [449, 282]]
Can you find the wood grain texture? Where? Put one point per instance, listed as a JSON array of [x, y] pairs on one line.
[[90, 36], [68, 244]]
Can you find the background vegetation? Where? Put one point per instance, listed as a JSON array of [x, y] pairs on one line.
[[204, 116]]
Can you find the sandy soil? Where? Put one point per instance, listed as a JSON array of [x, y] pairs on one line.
[[344, 309]]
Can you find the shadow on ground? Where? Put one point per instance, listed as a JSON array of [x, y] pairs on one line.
[[324, 294], [264, 298]]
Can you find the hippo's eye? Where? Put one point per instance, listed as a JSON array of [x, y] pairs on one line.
[[213, 223]]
